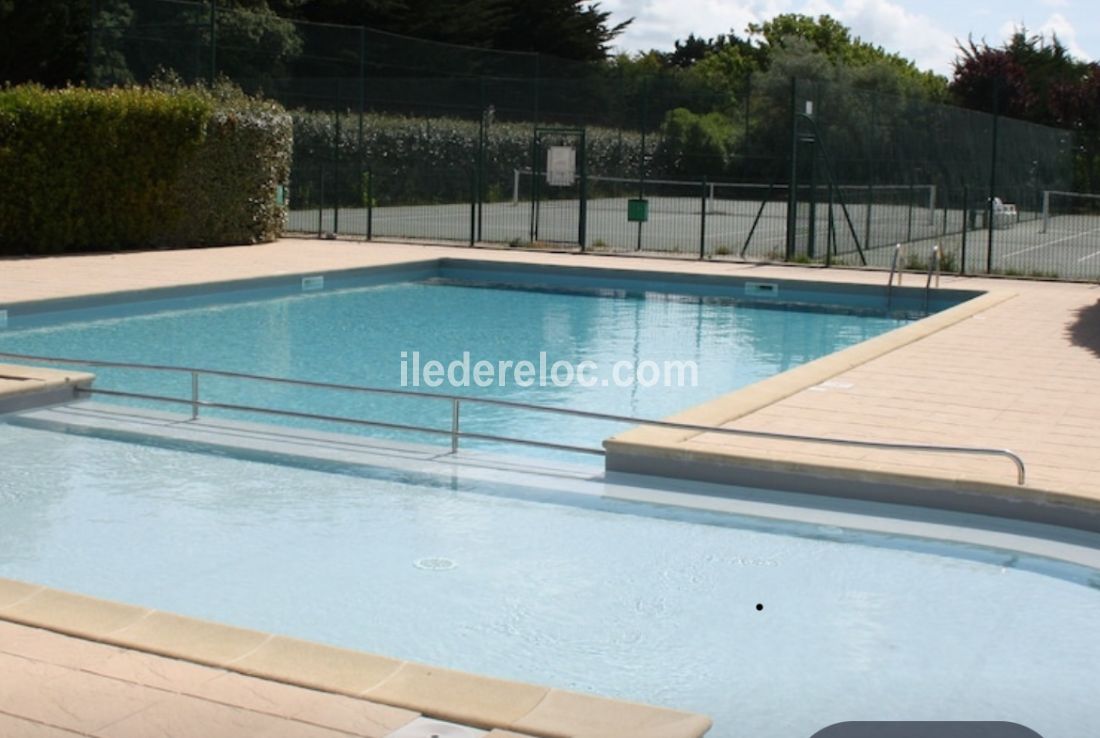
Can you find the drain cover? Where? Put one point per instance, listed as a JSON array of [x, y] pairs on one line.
[[428, 728], [434, 563]]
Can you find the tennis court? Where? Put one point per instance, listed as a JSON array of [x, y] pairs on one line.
[[749, 221]]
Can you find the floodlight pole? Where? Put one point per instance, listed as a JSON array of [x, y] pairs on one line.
[[792, 189], [989, 215]]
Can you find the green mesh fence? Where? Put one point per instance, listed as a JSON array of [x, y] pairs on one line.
[[404, 138]]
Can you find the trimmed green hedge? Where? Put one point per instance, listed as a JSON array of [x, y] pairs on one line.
[[85, 170]]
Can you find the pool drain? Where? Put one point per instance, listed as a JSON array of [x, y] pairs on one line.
[[428, 728], [434, 563]]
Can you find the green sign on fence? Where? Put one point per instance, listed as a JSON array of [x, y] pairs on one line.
[[637, 210]]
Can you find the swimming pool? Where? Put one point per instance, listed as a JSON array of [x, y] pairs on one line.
[[705, 337], [575, 580], [569, 583]]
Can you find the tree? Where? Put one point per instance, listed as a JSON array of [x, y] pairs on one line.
[[43, 40], [570, 29], [1030, 77], [694, 144]]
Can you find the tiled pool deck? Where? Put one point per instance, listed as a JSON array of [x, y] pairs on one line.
[[1022, 372]]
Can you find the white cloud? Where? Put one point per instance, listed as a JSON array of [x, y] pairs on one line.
[[927, 36], [1058, 25], [658, 22], [895, 29]]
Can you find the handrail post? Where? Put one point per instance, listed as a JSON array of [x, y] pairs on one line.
[[194, 395], [454, 425]]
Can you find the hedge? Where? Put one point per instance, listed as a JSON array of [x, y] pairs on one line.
[[86, 170]]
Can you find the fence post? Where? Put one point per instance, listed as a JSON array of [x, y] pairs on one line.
[[641, 155], [966, 226], [582, 205], [867, 216], [992, 178], [370, 204], [792, 188], [909, 221], [336, 167], [213, 41], [321, 201], [703, 221], [481, 136], [473, 206], [362, 84]]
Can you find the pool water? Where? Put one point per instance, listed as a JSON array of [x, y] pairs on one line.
[[647, 603], [359, 335]]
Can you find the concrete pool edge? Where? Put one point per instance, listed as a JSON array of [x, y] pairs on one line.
[[24, 387], [678, 453], [440, 693], [741, 402]]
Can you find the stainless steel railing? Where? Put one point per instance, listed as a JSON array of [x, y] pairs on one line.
[[455, 433]]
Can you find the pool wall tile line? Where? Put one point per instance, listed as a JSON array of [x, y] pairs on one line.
[[869, 483], [481, 702]]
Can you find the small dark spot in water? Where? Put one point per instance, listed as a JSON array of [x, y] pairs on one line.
[[759, 607]]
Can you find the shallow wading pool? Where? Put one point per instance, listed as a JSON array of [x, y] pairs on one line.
[[561, 585]]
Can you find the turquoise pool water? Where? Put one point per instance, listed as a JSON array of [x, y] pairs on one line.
[[357, 330], [636, 601]]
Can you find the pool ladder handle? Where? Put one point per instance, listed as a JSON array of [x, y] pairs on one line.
[[934, 264], [455, 432], [893, 270], [933, 267]]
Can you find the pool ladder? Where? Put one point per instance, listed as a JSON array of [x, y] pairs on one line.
[[934, 264]]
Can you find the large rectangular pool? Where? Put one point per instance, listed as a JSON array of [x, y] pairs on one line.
[[650, 344]]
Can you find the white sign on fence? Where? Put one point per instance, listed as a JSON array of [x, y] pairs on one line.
[[561, 166]]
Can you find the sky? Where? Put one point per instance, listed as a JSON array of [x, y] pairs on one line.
[[924, 31]]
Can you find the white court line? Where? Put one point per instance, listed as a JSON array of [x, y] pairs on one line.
[[1051, 243]]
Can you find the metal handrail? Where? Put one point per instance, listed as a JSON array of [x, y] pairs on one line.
[[455, 433], [890, 281], [933, 266]]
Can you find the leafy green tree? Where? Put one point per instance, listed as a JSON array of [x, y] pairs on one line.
[[693, 144]]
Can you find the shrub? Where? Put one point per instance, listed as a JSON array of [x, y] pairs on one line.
[[420, 160], [228, 185], [137, 167], [693, 144]]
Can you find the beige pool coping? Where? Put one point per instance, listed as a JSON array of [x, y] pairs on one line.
[[388, 693], [1018, 367]]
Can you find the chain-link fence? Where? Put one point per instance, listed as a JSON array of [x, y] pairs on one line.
[[404, 138]]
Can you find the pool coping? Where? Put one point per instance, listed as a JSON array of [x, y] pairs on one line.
[[446, 694], [23, 387]]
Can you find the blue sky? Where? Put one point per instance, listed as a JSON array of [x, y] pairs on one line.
[[924, 31]]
